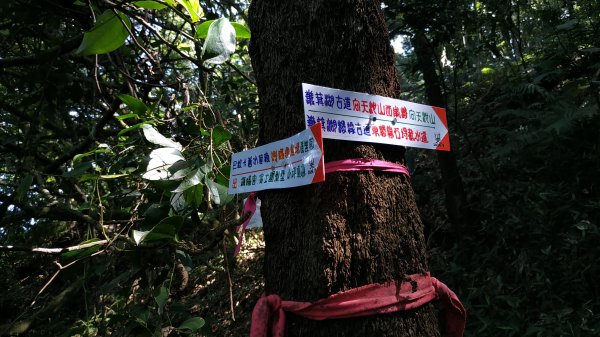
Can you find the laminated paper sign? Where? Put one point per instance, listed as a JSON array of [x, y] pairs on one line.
[[290, 162], [349, 115]]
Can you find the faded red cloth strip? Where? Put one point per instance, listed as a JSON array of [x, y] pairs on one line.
[[268, 316], [362, 164], [249, 206]]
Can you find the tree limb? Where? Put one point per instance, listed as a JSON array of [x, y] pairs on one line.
[[42, 57], [52, 250]]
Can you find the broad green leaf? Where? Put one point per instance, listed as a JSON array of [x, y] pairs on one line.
[[193, 196], [193, 8], [190, 181], [220, 135], [223, 175], [107, 35], [89, 153], [77, 254], [178, 202], [127, 116], [161, 297], [218, 192], [131, 128], [219, 43], [79, 169], [179, 170], [150, 4], [487, 71], [23, 187], [160, 162], [194, 324], [167, 229], [202, 30], [241, 31], [154, 137], [138, 236], [134, 104]]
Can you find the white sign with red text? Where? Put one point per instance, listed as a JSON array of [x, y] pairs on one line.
[[349, 115], [290, 162]]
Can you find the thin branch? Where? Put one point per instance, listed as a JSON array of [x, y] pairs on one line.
[[53, 250], [240, 72], [42, 57], [108, 114]]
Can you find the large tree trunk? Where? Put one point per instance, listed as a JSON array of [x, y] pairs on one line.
[[456, 199], [356, 228]]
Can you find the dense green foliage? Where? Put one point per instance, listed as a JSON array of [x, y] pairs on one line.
[[522, 85], [121, 144], [88, 92]]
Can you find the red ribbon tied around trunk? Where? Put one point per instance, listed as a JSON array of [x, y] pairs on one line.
[[363, 164], [358, 164], [268, 316]]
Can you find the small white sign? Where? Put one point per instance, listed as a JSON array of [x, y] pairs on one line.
[[349, 115], [290, 162]]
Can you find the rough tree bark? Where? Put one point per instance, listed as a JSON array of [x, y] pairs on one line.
[[356, 228]]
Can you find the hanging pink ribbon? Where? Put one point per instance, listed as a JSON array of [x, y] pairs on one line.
[[268, 316], [249, 206]]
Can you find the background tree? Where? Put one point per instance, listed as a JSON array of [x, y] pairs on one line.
[[356, 228], [519, 81]]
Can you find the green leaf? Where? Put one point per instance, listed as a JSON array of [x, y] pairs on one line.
[[487, 70], [193, 196], [194, 324], [167, 229], [79, 169], [223, 175], [193, 8], [127, 116], [113, 176], [134, 104], [241, 31], [191, 180], [23, 187], [102, 148], [160, 161], [219, 43], [202, 30], [219, 192], [78, 254], [220, 136], [131, 128], [150, 5], [161, 297], [107, 35], [154, 137]]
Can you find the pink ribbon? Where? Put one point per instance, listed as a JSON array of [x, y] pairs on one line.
[[346, 165], [249, 206], [268, 316], [362, 164]]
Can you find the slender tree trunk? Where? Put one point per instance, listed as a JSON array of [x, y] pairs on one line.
[[453, 187], [356, 228]]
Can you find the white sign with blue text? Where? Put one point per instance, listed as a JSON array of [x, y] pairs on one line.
[[355, 116]]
